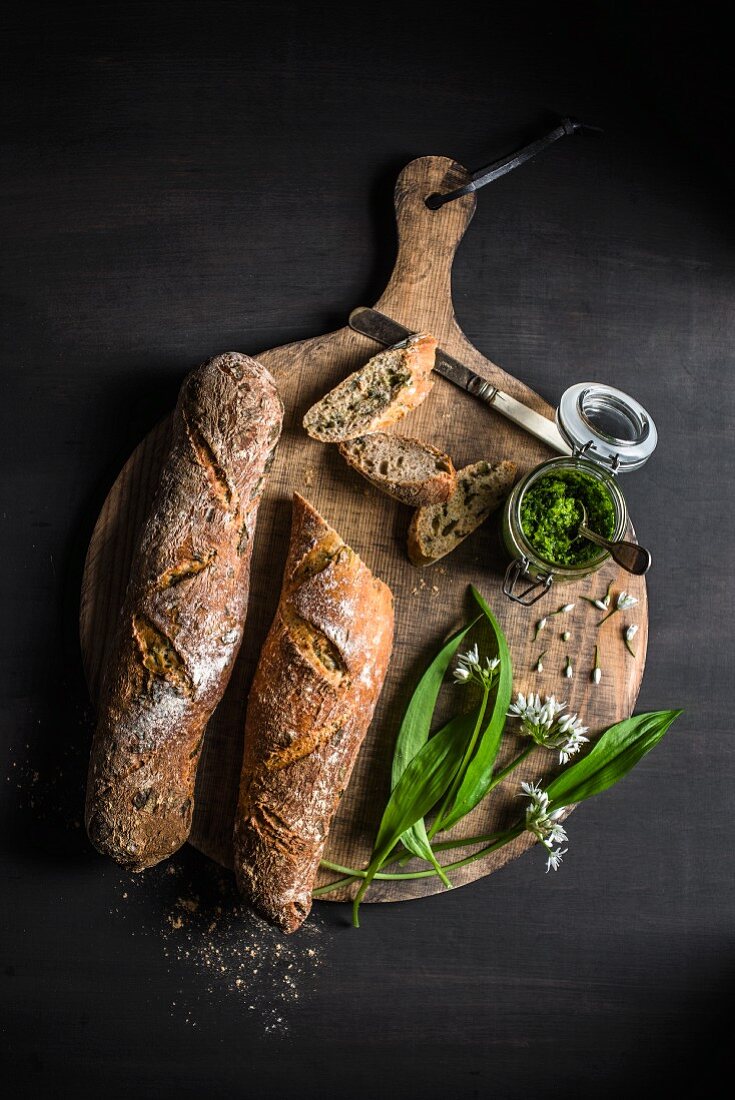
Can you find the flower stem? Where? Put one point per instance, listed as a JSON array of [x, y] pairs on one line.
[[501, 775], [352, 873], [466, 842], [330, 887]]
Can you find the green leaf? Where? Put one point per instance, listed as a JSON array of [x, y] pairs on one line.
[[414, 734], [479, 774], [618, 750], [416, 840], [422, 784], [414, 731]]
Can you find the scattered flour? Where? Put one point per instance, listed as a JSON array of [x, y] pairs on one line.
[[204, 928], [188, 903]]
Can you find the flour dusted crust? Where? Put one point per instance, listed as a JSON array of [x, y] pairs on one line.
[[182, 619], [390, 385], [318, 680]]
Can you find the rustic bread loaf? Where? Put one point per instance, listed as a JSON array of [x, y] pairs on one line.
[[390, 385], [407, 469], [318, 679], [182, 619], [438, 529]]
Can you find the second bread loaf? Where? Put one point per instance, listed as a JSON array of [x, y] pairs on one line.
[[318, 679]]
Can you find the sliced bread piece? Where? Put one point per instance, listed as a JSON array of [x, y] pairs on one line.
[[390, 385], [406, 469], [439, 528]]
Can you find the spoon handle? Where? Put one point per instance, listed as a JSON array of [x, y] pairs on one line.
[[632, 557]]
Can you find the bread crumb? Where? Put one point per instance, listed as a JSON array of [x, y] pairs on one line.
[[308, 477], [203, 924]]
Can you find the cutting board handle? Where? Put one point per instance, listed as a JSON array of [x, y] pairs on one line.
[[419, 293]]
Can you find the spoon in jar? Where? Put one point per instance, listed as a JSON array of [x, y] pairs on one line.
[[632, 557]]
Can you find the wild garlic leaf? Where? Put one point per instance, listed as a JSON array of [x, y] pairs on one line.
[[618, 750], [414, 733], [416, 839], [422, 784], [478, 776]]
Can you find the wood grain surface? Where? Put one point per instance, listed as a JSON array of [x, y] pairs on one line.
[[429, 603]]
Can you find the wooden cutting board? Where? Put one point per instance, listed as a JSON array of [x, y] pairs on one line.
[[430, 602]]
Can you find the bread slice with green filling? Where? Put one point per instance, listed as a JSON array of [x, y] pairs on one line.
[[390, 385], [406, 469], [439, 528]]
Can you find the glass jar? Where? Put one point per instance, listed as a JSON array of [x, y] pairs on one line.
[[609, 433]]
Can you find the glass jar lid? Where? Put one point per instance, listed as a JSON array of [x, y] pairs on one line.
[[606, 426]]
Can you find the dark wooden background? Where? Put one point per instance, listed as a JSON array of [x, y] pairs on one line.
[[180, 179]]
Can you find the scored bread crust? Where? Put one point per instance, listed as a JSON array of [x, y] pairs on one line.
[[410, 364], [319, 676], [182, 619], [438, 529], [434, 488]]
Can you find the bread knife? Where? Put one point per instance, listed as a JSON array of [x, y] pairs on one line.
[[368, 322]]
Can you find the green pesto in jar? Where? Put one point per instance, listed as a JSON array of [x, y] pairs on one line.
[[550, 516]]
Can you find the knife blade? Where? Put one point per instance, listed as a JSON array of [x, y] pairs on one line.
[[369, 322]]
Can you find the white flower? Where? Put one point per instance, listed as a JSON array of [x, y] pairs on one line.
[[466, 665], [469, 668], [545, 826], [572, 745], [539, 665], [596, 674], [569, 737], [566, 608], [535, 793], [537, 811], [533, 790], [603, 604], [525, 707], [566, 636], [568, 670], [555, 859], [549, 710], [625, 601], [631, 632], [541, 624], [543, 724], [536, 718]]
